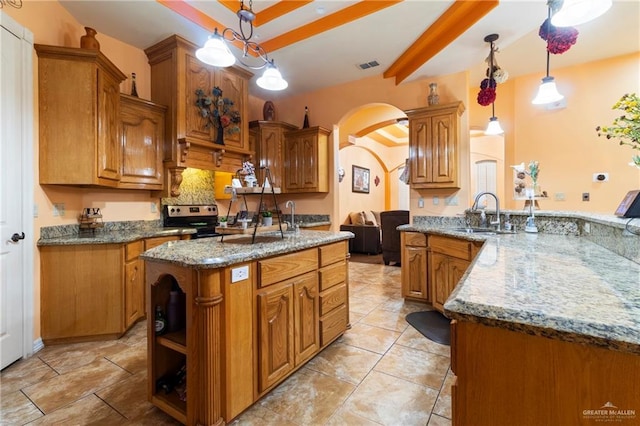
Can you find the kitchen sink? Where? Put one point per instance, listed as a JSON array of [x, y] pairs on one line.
[[489, 231]]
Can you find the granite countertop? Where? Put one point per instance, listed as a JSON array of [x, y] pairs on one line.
[[114, 237], [209, 253], [559, 286]]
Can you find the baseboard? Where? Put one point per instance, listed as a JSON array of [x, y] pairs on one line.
[[38, 345]]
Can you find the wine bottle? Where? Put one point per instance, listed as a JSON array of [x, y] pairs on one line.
[[134, 89], [305, 125], [175, 311], [161, 321]]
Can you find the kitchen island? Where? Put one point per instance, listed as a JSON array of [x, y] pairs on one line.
[[251, 315], [546, 330]]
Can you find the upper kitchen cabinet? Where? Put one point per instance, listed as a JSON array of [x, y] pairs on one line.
[[306, 160], [142, 133], [79, 92], [176, 75], [434, 134], [267, 140]]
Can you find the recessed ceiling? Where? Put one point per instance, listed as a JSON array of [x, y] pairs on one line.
[[319, 43]]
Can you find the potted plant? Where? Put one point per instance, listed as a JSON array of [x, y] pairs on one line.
[[223, 221], [267, 218]]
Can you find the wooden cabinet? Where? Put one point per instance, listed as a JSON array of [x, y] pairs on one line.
[[267, 140], [449, 259], [134, 293], [79, 105], [414, 266], [142, 134], [306, 160], [434, 135], [176, 74], [334, 291]]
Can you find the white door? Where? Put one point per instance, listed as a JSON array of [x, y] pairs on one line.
[[16, 118]]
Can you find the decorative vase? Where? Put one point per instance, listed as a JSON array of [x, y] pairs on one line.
[[433, 97], [267, 221], [88, 41], [220, 133]]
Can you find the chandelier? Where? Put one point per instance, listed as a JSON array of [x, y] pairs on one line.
[[15, 3], [547, 92], [576, 12], [216, 51]]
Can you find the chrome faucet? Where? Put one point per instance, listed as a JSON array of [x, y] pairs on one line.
[[292, 205], [475, 207]]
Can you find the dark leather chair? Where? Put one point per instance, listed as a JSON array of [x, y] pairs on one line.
[[367, 238], [389, 221]]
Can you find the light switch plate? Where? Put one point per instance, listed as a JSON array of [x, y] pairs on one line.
[[239, 274]]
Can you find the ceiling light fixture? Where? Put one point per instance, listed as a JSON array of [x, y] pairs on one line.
[[547, 92], [493, 128], [576, 12], [216, 52], [15, 3]]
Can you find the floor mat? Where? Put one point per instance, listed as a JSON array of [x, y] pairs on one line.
[[433, 325]]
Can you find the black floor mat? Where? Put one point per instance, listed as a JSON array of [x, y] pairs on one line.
[[432, 324]]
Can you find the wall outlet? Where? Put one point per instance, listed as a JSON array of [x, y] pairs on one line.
[[154, 208], [559, 196], [585, 196], [58, 209], [239, 274], [35, 210], [420, 203], [436, 200], [451, 201], [601, 177]]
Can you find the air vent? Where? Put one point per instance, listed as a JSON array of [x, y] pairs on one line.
[[368, 65]]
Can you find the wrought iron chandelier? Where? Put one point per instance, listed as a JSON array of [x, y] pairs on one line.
[[15, 3], [216, 51]]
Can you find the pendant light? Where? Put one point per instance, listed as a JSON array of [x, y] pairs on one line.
[[547, 92], [576, 12], [493, 128]]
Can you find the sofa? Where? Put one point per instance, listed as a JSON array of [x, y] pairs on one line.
[[364, 226], [389, 221]]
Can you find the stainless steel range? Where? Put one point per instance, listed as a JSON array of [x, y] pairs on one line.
[[202, 217]]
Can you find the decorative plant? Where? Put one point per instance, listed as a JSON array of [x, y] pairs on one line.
[[534, 171], [625, 127], [218, 111], [222, 219], [267, 213]]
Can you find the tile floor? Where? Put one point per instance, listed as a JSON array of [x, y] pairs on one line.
[[381, 372]]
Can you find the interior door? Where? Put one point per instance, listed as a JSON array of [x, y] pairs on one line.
[[16, 112]]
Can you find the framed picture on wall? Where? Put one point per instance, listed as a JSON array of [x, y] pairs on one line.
[[360, 182]]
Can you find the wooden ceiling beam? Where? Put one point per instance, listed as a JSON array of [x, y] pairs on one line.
[[192, 14], [448, 27]]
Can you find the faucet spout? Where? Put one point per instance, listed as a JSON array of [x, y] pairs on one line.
[[292, 205], [475, 206]]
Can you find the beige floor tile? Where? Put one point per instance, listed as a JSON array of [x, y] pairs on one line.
[[389, 400], [51, 394], [391, 320], [128, 396], [405, 307], [360, 305], [346, 418], [414, 339], [257, 415], [371, 338], [155, 417], [65, 358], [132, 359], [344, 362], [24, 373], [427, 369], [443, 404], [308, 397], [354, 316], [15, 409], [436, 420], [137, 334], [89, 410]]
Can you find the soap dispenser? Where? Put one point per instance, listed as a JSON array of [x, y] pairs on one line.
[[507, 222], [483, 219]]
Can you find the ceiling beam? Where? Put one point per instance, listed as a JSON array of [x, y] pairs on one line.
[[191, 13], [448, 27], [279, 9]]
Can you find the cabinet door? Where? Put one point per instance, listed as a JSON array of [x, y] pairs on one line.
[[414, 272], [198, 76], [133, 291], [443, 146], [306, 312], [439, 279], [109, 151], [142, 133], [234, 87], [293, 164], [457, 268], [269, 152], [309, 161], [276, 333], [420, 151]]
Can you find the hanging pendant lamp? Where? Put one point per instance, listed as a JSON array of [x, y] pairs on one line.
[[547, 92], [493, 128], [576, 12]]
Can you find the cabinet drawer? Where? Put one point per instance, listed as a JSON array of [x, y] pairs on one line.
[[451, 247], [415, 239], [150, 243], [332, 253], [288, 266], [133, 250], [333, 275], [333, 325], [333, 298]]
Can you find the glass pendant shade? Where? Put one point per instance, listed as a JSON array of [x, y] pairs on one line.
[[272, 79], [576, 12], [216, 52], [547, 93], [493, 128]]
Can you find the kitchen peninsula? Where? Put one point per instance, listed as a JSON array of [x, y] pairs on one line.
[[546, 327], [253, 314]]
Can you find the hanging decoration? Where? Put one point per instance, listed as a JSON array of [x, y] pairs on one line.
[[495, 75], [219, 113], [559, 39]]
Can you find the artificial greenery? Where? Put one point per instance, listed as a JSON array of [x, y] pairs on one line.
[[626, 127]]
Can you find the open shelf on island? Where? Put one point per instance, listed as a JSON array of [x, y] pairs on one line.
[[171, 404], [176, 340], [238, 230]]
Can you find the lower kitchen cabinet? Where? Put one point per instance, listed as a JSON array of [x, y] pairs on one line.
[[414, 266], [133, 283]]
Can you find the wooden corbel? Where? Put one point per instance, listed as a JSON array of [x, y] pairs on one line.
[[175, 179], [218, 156]]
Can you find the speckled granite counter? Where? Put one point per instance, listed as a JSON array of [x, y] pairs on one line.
[[208, 253], [113, 236], [559, 286]]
